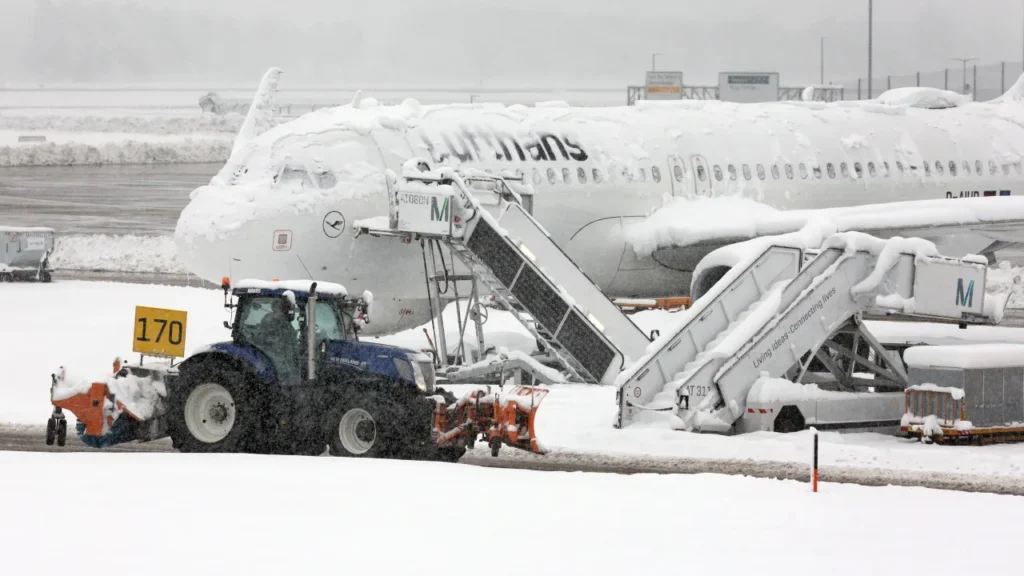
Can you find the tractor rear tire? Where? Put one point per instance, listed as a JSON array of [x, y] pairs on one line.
[[214, 411]]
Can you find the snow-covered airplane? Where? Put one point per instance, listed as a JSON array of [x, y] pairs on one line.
[[284, 203]]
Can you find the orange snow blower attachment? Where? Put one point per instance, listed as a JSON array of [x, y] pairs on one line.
[[501, 419]]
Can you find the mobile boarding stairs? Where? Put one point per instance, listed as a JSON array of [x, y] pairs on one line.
[[783, 313]]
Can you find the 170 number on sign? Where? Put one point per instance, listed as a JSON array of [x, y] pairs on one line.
[[160, 332]]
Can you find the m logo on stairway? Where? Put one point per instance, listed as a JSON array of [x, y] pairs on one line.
[[964, 297]]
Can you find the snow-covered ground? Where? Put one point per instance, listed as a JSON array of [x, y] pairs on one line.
[[396, 517], [85, 325]]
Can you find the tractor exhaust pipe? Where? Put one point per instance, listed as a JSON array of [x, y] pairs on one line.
[[311, 334]]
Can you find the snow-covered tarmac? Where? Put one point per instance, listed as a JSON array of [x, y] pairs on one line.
[[84, 325]]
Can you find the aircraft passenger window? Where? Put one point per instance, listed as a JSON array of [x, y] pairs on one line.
[[597, 176], [746, 172], [886, 166], [858, 170], [656, 173], [677, 172], [566, 176], [927, 168], [536, 176], [760, 172], [977, 167], [899, 166], [789, 171], [581, 174], [816, 170], [718, 172], [871, 169], [831, 170], [551, 175], [643, 175], [992, 167], [700, 172], [967, 168], [844, 170], [1016, 166], [952, 168], [732, 172], [938, 167], [775, 171], [803, 171]]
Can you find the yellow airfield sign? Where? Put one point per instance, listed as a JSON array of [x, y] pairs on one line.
[[160, 332]]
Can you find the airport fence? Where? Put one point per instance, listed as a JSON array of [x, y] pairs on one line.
[[983, 82]]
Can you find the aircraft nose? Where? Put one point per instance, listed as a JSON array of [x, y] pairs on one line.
[[204, 237]]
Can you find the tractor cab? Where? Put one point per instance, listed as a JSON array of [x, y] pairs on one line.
[[276, 317]]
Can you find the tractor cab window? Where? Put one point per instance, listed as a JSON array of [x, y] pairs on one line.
[[272, 325], [328, 324]]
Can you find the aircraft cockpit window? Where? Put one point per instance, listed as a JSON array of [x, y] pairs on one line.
[[643, 175], [597, 176], [775, 171], [760, 172], [700, 173], [746, 172], [831, 170], [977, 167], [992, 167], [844, 170], [858, 170], [536, 176], [789, 171], [938, 167], [566, 176], [871, 169], [732, 172], [326, 180], [803, 171], [718, 172], [291, 174], [677, 171], [551, 175], [582, 175], [656, 173], [816, 170], [952, 168]]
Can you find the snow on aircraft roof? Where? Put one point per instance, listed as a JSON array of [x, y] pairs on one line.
[[923, 97]]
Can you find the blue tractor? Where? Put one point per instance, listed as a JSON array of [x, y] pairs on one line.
[[295, 378]]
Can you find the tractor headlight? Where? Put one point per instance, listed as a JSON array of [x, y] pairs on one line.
[[421, 380]]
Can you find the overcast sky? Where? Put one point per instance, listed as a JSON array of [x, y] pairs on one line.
[[488, 42]]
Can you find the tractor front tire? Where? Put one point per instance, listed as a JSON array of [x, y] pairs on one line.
[[214, 411], [368, 425]]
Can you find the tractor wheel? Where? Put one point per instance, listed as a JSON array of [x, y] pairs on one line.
[[45, 276], [62, 432], [369, 425], [213, 411], [51, 431], [6, 277]]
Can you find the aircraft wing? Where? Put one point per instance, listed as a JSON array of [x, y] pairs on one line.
[[671, 234]]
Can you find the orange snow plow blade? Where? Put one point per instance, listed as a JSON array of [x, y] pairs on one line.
[[500, 418]]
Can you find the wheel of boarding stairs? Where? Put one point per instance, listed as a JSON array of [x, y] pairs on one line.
[[6, 277], [62, 432], [367, 425], [51, 431], [44, 276], [213, 411]]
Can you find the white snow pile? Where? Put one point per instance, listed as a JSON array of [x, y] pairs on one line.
[[768, 390], [955, 393], [83, 152], [923, 97], [116, 253], [1006, 278], [141, 124], [974, 356], [686, 222]]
